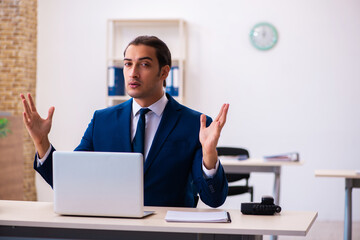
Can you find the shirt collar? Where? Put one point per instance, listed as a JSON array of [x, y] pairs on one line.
[[157, 107]]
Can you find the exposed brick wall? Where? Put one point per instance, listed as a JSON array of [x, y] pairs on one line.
[[18, 41]]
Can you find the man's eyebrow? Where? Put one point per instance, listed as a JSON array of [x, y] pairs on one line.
[[146, 58], [142, 58]]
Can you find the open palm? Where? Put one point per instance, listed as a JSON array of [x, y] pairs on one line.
[[37, 127], [209, 136]]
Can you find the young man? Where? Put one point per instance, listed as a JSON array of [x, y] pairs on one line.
[[180, 143]]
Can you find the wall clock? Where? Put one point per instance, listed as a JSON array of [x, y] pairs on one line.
[[263, 36]]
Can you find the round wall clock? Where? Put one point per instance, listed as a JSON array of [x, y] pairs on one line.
[[263, 36]]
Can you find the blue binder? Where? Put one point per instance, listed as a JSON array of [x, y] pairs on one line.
[[116, 82], [172, 82]]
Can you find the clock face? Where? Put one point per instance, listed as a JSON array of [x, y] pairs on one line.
[[263, 36]]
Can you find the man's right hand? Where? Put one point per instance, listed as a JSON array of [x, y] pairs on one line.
[[37, 127]]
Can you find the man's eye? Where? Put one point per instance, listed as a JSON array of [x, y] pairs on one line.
[[127, 64], [145, 64]]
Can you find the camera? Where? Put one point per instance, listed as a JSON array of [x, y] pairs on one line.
[[266, 207]]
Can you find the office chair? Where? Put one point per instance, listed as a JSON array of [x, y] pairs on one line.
[[233, 177]]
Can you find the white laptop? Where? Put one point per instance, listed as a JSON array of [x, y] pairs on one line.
[[98, 184]]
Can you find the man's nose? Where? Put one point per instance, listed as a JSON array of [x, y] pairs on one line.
[[134, 72]]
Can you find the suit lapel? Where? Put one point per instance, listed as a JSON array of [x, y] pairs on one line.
[[168, 121], [123, 134]]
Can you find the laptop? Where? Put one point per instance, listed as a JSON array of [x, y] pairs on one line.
[[98, 184]]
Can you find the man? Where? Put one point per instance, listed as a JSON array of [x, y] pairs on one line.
[[180, 143]]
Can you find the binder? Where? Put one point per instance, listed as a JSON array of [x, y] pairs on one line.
[[172, 82], [116, 81], [169, 82], [175, 76]]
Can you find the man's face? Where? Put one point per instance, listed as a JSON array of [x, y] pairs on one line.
[[143, 79]]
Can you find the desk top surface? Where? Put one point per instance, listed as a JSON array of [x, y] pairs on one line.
[[41, 214], [353, 174]]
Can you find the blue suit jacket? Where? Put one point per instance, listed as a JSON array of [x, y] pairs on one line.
[[173, 168]]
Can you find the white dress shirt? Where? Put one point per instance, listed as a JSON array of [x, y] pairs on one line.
[[152, 121]]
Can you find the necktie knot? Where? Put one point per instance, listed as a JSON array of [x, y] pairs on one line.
[[144, 111]]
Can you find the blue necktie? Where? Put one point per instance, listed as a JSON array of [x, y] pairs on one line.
[[138, 141]]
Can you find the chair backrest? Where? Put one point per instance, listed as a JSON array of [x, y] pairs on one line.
[[232, 151]]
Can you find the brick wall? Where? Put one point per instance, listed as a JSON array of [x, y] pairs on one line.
[[18, 39]]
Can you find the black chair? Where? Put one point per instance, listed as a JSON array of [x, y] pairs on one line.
[[233, 177]]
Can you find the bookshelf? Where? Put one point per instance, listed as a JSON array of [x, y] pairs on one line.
[[122, 31]]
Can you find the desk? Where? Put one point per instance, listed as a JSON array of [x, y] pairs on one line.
[[259, 165], [352, 180], [37, 219]]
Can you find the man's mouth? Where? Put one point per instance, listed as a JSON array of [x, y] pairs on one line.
[[134, 84]]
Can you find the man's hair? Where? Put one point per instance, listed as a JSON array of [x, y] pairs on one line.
[[162, 51]]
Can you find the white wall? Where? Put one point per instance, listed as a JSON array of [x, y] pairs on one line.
[[301, 96]]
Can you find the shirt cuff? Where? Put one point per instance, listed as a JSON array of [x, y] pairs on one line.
[[40, 161], [210, 173]]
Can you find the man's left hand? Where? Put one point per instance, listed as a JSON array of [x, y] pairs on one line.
[[209, 136]]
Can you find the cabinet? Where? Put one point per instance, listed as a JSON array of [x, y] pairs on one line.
[[121, 31]]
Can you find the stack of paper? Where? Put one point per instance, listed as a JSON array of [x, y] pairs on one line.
[[181, 216], [292, 157]]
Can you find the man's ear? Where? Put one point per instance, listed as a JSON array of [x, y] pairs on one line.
[[164, 72]]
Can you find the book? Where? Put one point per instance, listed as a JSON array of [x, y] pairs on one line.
[[287, 157], [208, 217]]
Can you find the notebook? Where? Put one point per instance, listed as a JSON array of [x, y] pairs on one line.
[[98, 184], [201, 216]]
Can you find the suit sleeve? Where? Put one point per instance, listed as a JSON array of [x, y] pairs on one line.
[[213, 191], [46, 169]]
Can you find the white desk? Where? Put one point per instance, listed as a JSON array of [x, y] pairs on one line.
[[352, 180], [37, 219], [259, 165]]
